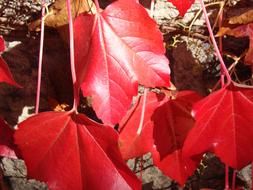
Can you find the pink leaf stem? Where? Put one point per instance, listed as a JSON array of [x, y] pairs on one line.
[[97, 5], [42, 29], [222, 77], [152, 8], [226, 177], [218, 54], [72, 57], [234, 178], [142, 111]]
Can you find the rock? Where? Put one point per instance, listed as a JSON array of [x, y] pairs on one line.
[[23, 184], [14, 173], [187, 73], [17, 13], [22, 59], [152, 177], [13, 167], [246, 175]]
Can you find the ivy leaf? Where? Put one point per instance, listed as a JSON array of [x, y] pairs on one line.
[[241, 31], [69, 151], [175, 165], [170, 130], [131, 143], [224, 126], [116, 49], [182, 5], [7, 147], [5, 74]]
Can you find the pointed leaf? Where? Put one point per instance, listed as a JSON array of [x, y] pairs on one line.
[[132, 144], [114, 49], [7, 147], [175, 165], [182, 5], [140, 33], [224, 126], [69, 151], [170, 130], [5, 74]]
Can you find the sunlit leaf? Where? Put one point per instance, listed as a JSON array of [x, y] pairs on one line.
[[69, 151], [116, 49], [224, 126]]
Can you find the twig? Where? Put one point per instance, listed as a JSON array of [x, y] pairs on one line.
[[198, 13], [144, 168], [231, 67]]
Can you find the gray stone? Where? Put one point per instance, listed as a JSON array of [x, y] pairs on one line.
[[13, 167], [24, 184]]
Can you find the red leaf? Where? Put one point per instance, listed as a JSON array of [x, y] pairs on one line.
[[2, 45], [224, 126], [5, 74], [132, 144], [170, 130], [7, 148], [175, 165], [182, 5], [114, 49], [69, 151]]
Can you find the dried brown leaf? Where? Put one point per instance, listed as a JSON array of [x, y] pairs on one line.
[[241, 31], [57, 15], [244, 18]]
